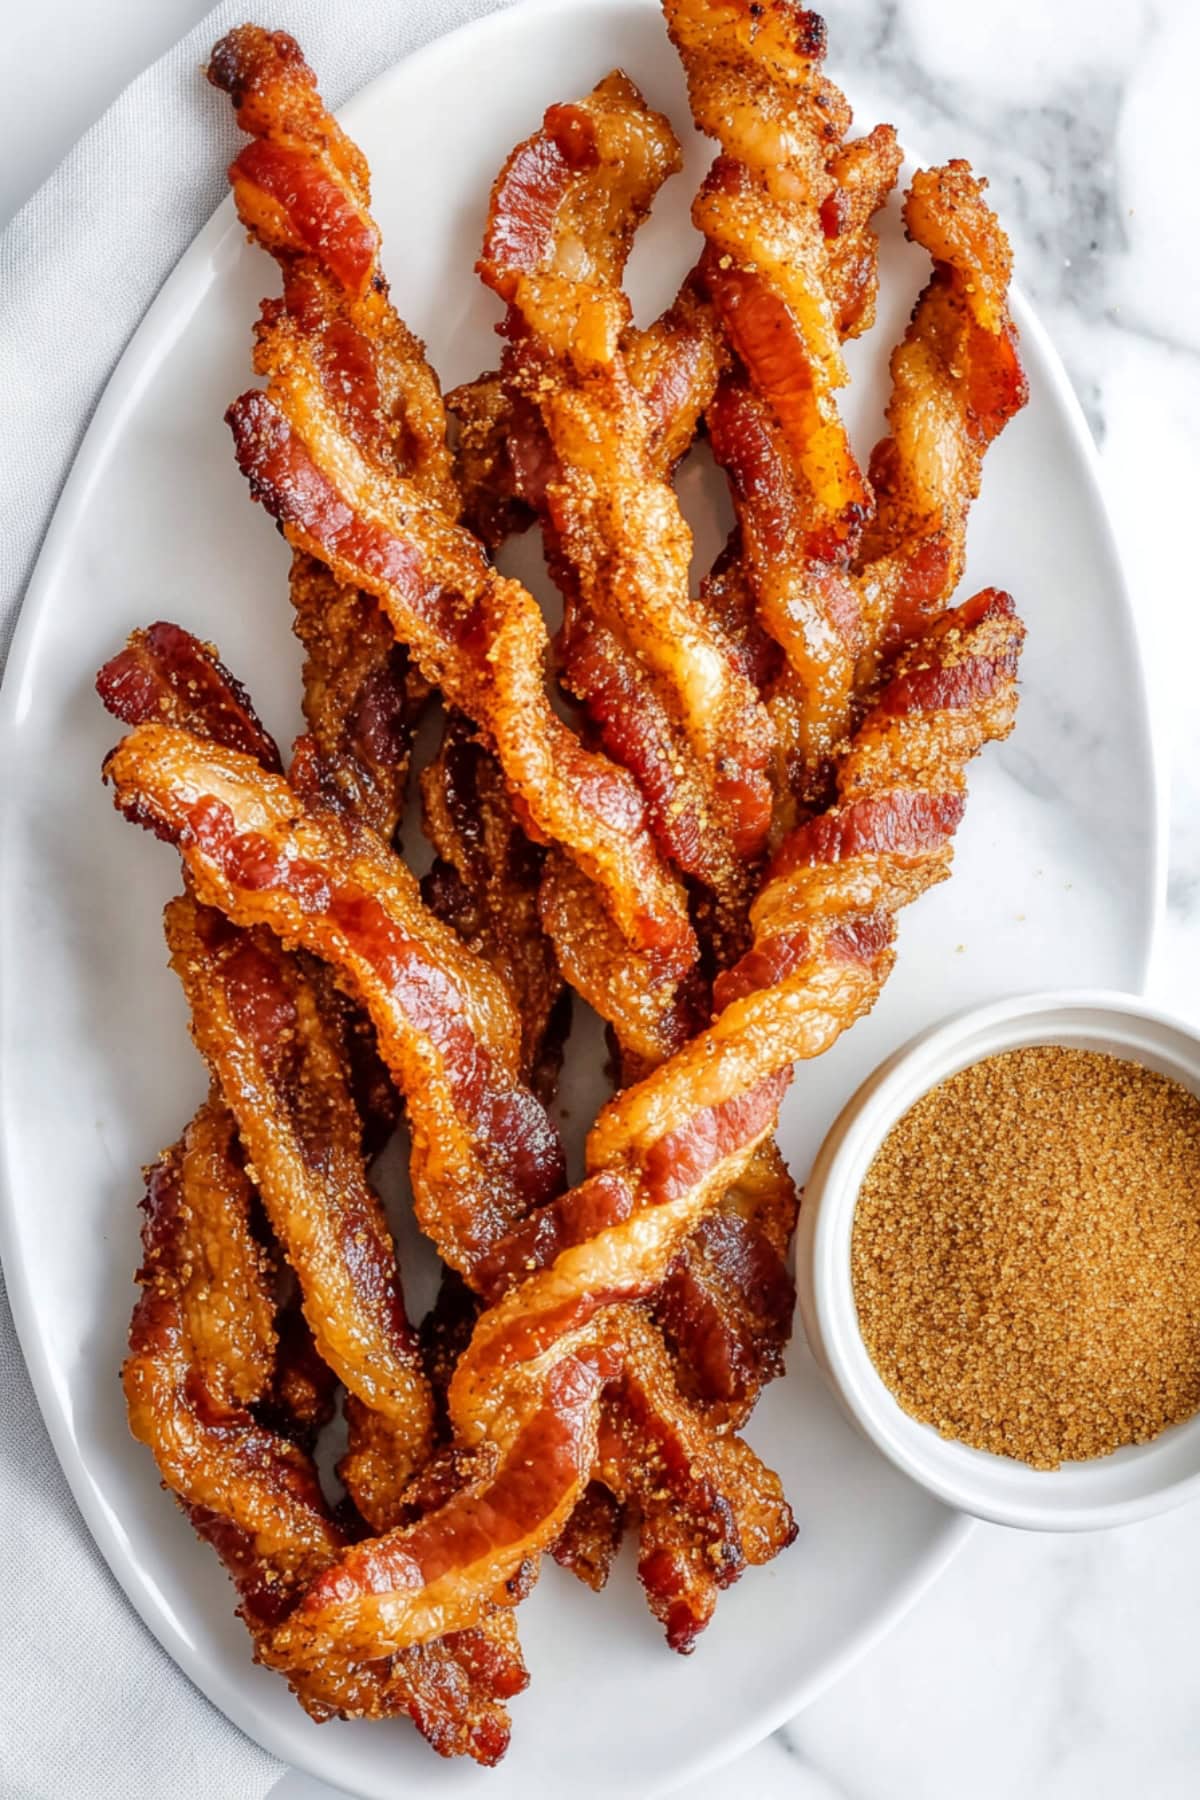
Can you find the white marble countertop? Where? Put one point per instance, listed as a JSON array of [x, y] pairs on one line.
[[1061, 1669]]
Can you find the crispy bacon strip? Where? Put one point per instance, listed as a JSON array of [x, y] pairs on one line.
[[791, 267], [302, 190], [531, 1380], [188, 1397], [636, 649], [276, 1037], [248, 1489], [956, 382], [313, 456], [485, 883], [274, 1045], [652, 1011], [482, 1150], [756, 85], [674, 365], [166, 674], [728, 1301], [668, 699]]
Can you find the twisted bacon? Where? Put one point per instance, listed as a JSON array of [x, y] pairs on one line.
[[956, 382], [668, 700], [275, 1037], [362, 694], [273, 1043], [755, 84], [485, 883], [303, 191], [790, 263], [837, 599], [530, 1382], [313, 453], [589, 429], [193, 1390], [203, 1343], [587, 433]]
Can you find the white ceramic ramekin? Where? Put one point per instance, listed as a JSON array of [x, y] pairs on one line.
[[1112, 1490]]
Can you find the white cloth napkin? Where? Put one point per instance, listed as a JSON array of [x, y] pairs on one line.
[[89, 1704]]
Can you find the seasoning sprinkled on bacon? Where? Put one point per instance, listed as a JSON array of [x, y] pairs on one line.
[[791, 265], [248, 1488], [362, 481], [956, 382], [668, 700]]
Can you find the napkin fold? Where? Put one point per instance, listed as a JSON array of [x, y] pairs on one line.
[[89, 1703]]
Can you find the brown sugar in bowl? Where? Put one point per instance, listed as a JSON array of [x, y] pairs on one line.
[[1014, 1399]]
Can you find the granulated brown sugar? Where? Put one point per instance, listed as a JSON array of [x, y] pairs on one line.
[[1026, 1255]]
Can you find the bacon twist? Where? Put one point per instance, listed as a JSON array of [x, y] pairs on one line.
[[590, 443], [589, 446], [530, 1383], [668, 700], [485, 883], [362, 693], [956, 382], [203, 1345], [248, 1488], [755, 84], [272, 1039], [790, 263], [315, 455], [302, 190]]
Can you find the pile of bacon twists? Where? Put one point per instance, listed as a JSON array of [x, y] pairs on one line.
[[712, 851]]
